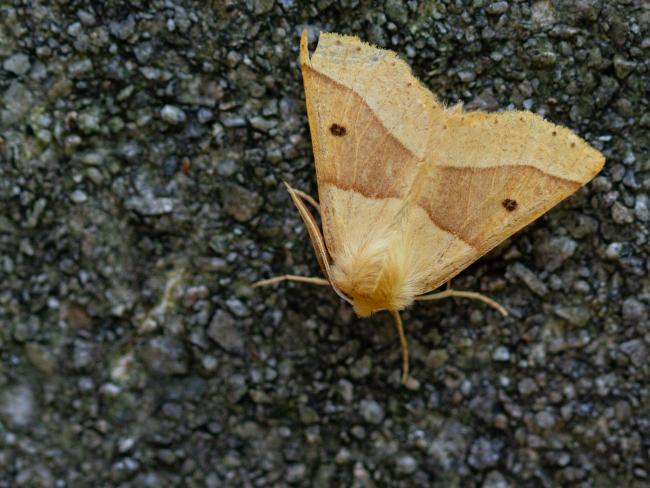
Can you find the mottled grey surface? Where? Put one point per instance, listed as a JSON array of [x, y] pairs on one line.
[[143, 148]]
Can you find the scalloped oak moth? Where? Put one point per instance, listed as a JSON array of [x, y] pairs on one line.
[[412, 192]]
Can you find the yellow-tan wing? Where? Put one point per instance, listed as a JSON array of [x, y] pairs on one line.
[[390, 158]]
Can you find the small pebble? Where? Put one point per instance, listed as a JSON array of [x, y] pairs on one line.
[[172, 115], [17, 64], [371, 411]]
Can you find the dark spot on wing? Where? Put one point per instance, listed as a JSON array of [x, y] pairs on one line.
[[338, 130], [509, 204]]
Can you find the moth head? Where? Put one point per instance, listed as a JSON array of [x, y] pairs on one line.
[[374, 275]]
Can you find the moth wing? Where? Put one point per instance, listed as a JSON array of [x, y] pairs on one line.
[[363, 166], [489, 175], [391, 159]]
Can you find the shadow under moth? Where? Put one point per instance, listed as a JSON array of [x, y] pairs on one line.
[[412, 192]]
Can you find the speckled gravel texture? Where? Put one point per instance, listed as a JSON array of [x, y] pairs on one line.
[[143, 148]]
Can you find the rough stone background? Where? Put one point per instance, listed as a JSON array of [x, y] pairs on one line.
[[143, 148]]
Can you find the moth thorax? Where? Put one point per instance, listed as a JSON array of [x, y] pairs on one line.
[[374, 275]]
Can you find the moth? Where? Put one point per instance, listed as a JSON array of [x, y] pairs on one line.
[[412, 192]]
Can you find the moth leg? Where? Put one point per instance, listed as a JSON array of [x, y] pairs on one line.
[[449, 292], [312, 201], [403, 344], [302, 279]]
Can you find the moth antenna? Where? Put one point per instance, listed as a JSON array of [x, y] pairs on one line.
[[404, 344], [312, 201], [317, 240]]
